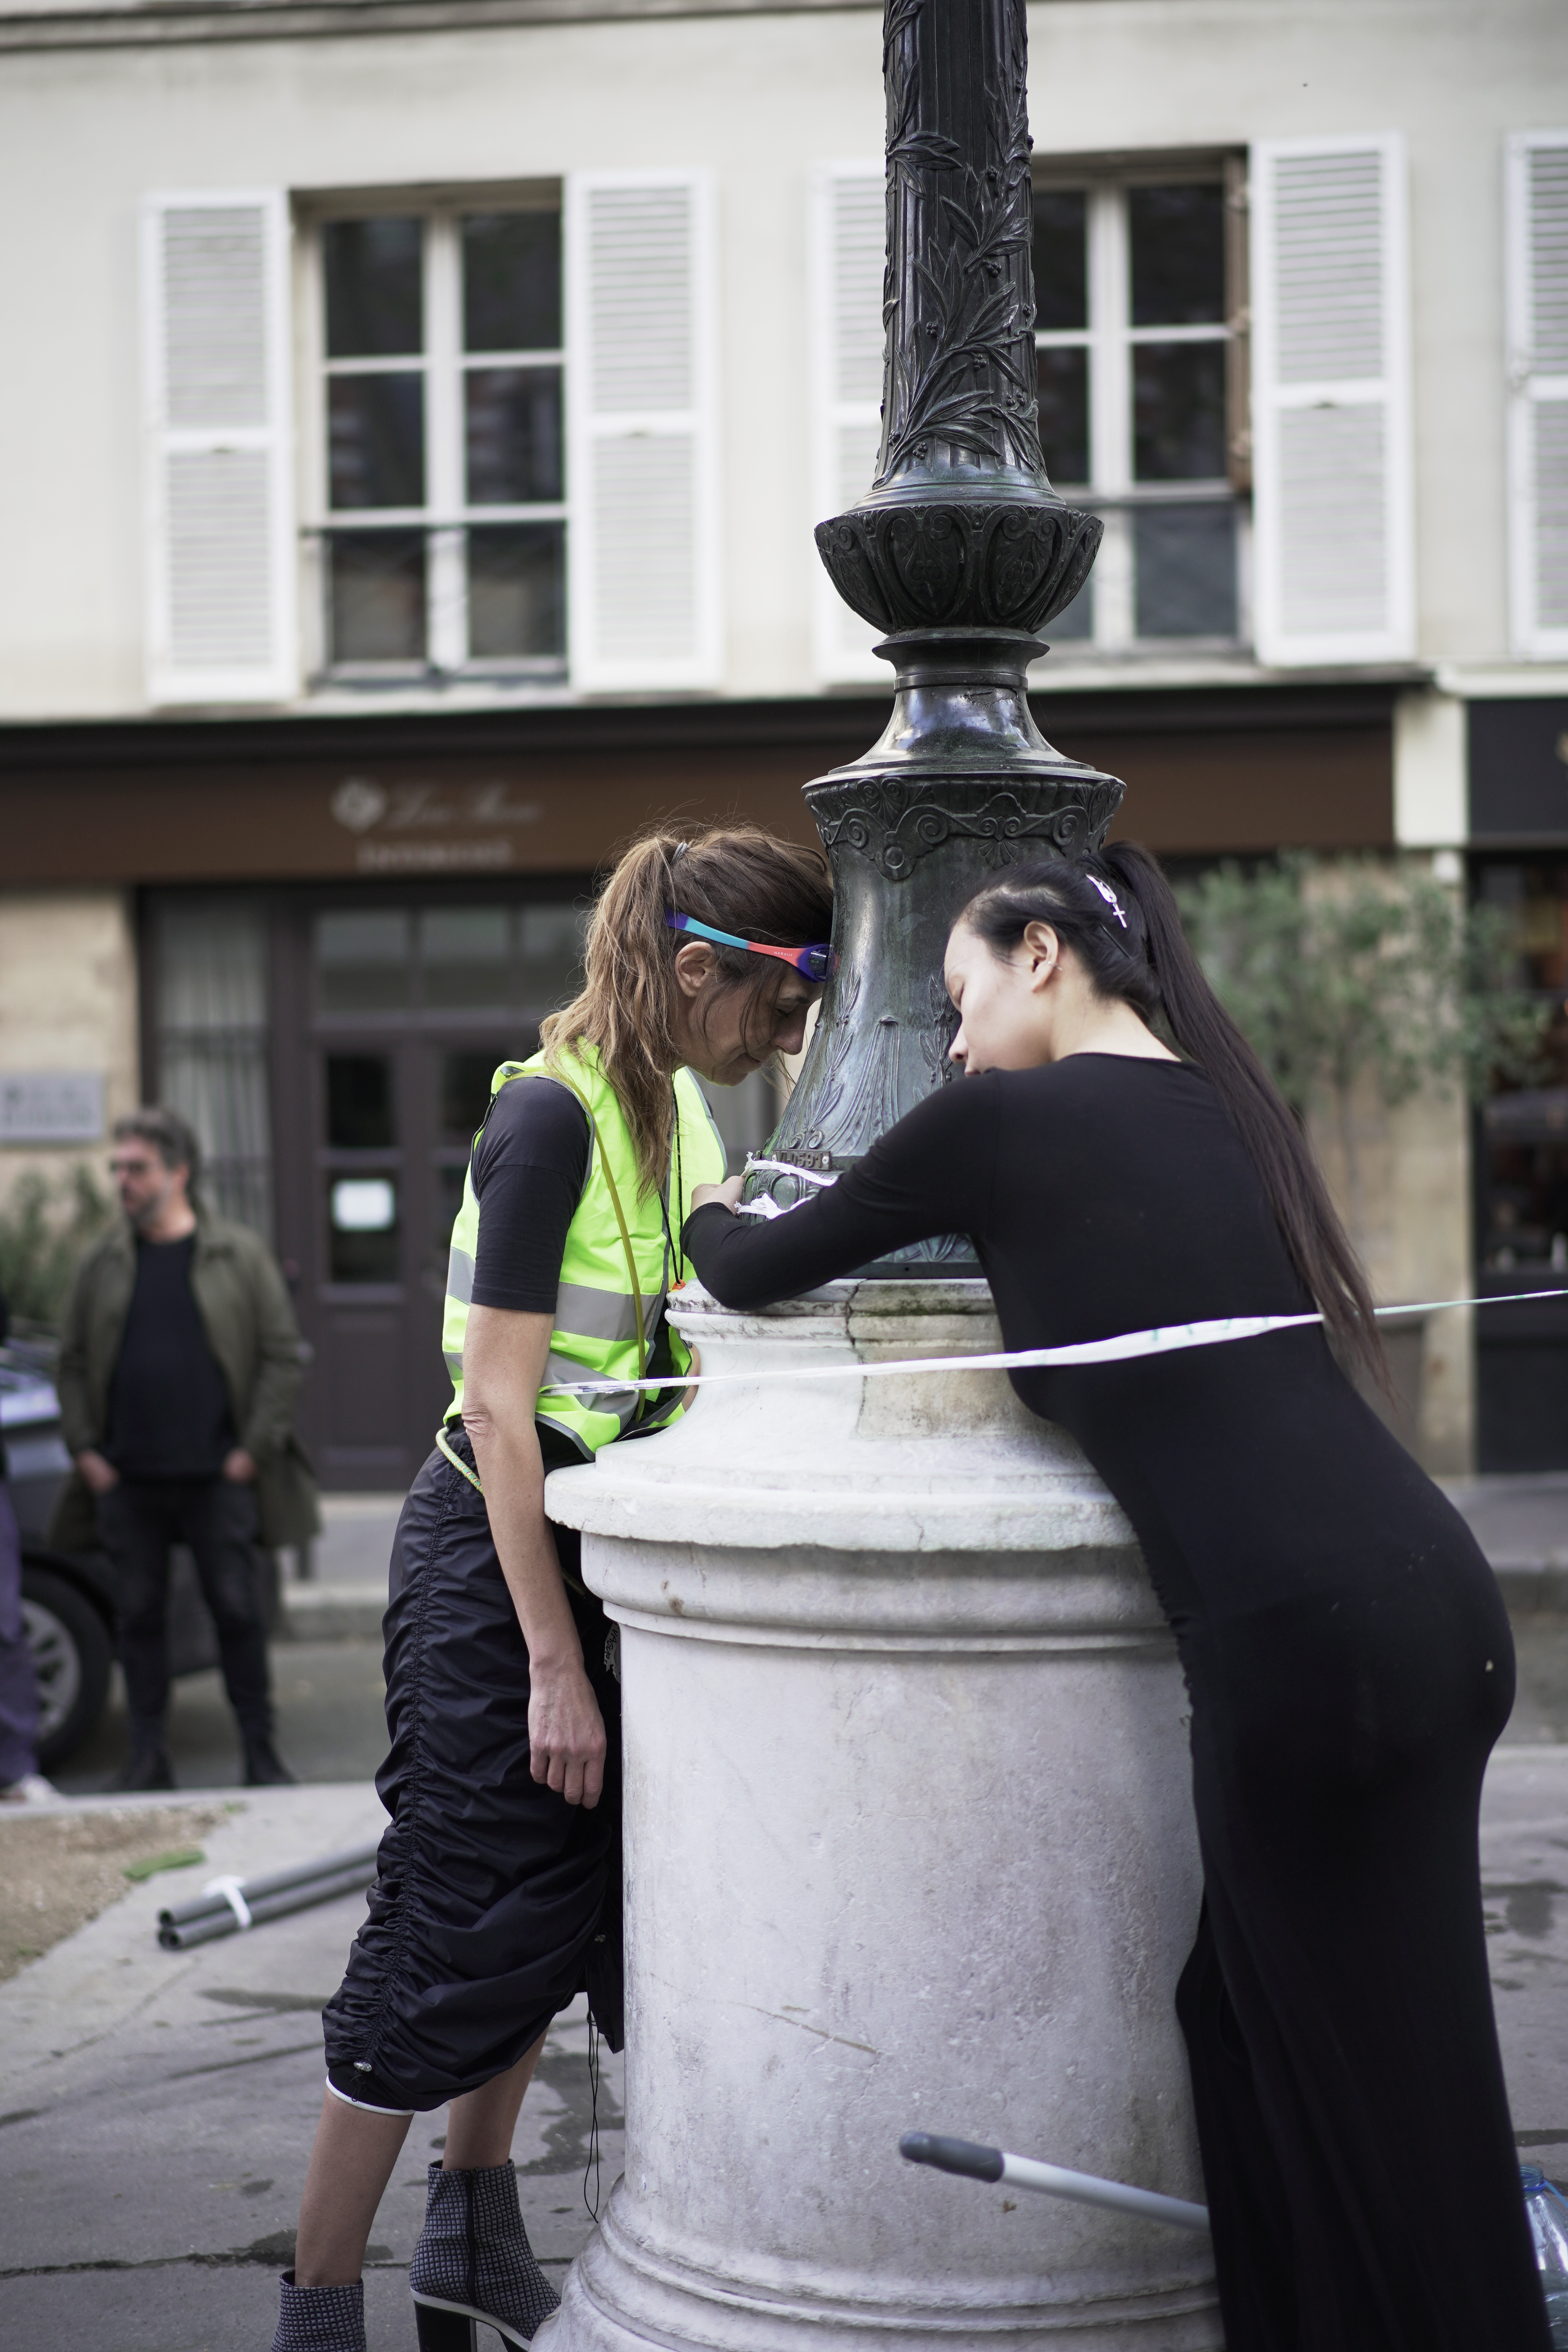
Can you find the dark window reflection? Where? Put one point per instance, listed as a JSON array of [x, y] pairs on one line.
[[374, 299], [1061, 273], [1064, 411], [359, 1103], [511, 282], [1178, 255], [1185, 571], [465, 953], [517, 591], [376, 440], [551, 954], [513, 436], [1525, 1128], [1178, 412], [362, 961], [376, 595], [465, 1086]]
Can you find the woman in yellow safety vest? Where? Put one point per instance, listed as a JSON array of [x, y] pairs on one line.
[[497, 1899]]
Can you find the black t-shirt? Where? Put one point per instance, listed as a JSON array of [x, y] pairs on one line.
[[169, 1412]]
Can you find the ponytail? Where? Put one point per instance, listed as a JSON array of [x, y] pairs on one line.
[[736, 878], [1137, 951]]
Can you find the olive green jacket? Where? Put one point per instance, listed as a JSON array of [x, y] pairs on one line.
[[251, 1330]]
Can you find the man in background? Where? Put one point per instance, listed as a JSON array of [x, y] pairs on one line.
[[179, 1367]]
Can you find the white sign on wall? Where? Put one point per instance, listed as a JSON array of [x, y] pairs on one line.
[[51, 1105]]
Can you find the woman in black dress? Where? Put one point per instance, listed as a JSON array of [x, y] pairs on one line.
[[1344, 1642]]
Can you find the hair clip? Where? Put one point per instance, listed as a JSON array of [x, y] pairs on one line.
[[680, 849], [1110, 897]]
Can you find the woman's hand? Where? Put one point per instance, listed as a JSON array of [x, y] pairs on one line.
[[726, 1195], [566, 1732]]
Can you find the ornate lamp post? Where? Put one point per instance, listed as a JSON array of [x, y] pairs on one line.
[[908, 1833], [961, 551]]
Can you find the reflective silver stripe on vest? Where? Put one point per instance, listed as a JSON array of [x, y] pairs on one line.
[[595, 1314], [459, 1275]]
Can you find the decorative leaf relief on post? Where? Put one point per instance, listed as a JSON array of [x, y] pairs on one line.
[[936, 1041], [962, 372], [1004, 565]]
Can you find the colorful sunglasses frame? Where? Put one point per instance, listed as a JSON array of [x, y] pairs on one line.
[[816, 962]]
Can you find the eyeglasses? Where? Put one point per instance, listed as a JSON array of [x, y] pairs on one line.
[[816, 962]]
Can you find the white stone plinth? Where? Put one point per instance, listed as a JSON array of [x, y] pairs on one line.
[[909, 1845]]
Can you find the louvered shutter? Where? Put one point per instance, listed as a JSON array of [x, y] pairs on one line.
[[1334, 556], [221, 624], [848, 248], [1537, 218], [644, 553]]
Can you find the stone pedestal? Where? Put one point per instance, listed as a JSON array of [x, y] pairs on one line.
[[909, 1845]]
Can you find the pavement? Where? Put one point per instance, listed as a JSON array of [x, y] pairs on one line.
[[183, 2087]]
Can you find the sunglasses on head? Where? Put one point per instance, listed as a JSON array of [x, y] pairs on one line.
[[816, 962]]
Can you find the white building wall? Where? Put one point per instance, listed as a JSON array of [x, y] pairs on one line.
[[760, 99]]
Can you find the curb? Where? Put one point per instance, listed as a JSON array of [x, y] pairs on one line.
[[332, 1612], [1533, 1587]]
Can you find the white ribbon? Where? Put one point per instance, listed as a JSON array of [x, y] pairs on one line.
[[230, 1889], [1161, 1339]]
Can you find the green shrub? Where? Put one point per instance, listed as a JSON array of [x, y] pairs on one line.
[[43, 1228]]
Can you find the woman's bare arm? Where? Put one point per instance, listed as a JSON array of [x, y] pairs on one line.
[[503, 1366]]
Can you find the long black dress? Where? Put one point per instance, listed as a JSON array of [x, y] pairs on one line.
[[1349, 1662]]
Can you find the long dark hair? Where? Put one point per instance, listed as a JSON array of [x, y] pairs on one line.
[[1132, 944], [735, 876]]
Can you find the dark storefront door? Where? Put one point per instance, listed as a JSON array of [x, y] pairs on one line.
[[399, 1014]]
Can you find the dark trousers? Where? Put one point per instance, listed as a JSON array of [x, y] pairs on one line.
[[140, 1520]]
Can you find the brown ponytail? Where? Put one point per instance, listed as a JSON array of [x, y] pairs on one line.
[[736, 878], [1142, 956]]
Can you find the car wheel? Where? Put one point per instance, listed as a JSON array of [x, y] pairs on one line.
[[71, 1658]]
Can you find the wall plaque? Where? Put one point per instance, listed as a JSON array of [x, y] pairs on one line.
[[51, 1105]]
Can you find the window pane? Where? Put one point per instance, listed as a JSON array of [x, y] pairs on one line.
[[513, 436], [511, 282], [1178, 412], [375, 301], [377, 439], [362, 1221], [517, 591], [362, 961], [376, 596], [1184, 561], [1064, 414], [1061, 280], [466, 1091], [466, 952], [1178, 255], [551, 955], [359, 1095], [1077, 623]]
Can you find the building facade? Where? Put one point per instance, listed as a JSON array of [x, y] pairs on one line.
[[417, 416]]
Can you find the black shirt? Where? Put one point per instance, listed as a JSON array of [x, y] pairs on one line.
[[169, 1412]]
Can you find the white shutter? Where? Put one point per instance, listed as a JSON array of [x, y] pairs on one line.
[[849, 249], [643, 556], [1334, 552], [1537, 220], [221, 559]]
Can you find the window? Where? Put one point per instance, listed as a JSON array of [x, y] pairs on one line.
[[1140, 399], [443, 524], [1524, 1167], [209, 967]]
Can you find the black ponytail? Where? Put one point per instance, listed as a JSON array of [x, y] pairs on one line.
[[1116, 911]]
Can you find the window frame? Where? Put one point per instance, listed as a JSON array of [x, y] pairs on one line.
[[1110, 339], [447, 517]]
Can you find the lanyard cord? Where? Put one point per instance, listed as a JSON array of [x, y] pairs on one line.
[[674, 1251]]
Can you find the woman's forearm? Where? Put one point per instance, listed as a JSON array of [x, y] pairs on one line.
[[511, 1472]]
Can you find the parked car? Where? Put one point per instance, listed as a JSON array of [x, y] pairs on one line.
[[67, 1598]]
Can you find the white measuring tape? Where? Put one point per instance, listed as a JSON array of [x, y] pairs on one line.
[[231, 1891], [1163, 1339]]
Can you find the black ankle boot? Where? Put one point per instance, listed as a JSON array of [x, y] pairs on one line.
[[474, 2262], [264, 1767], [144, 1768], [320, 2318]]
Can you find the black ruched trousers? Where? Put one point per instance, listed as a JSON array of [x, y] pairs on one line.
[[493, 1893]]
